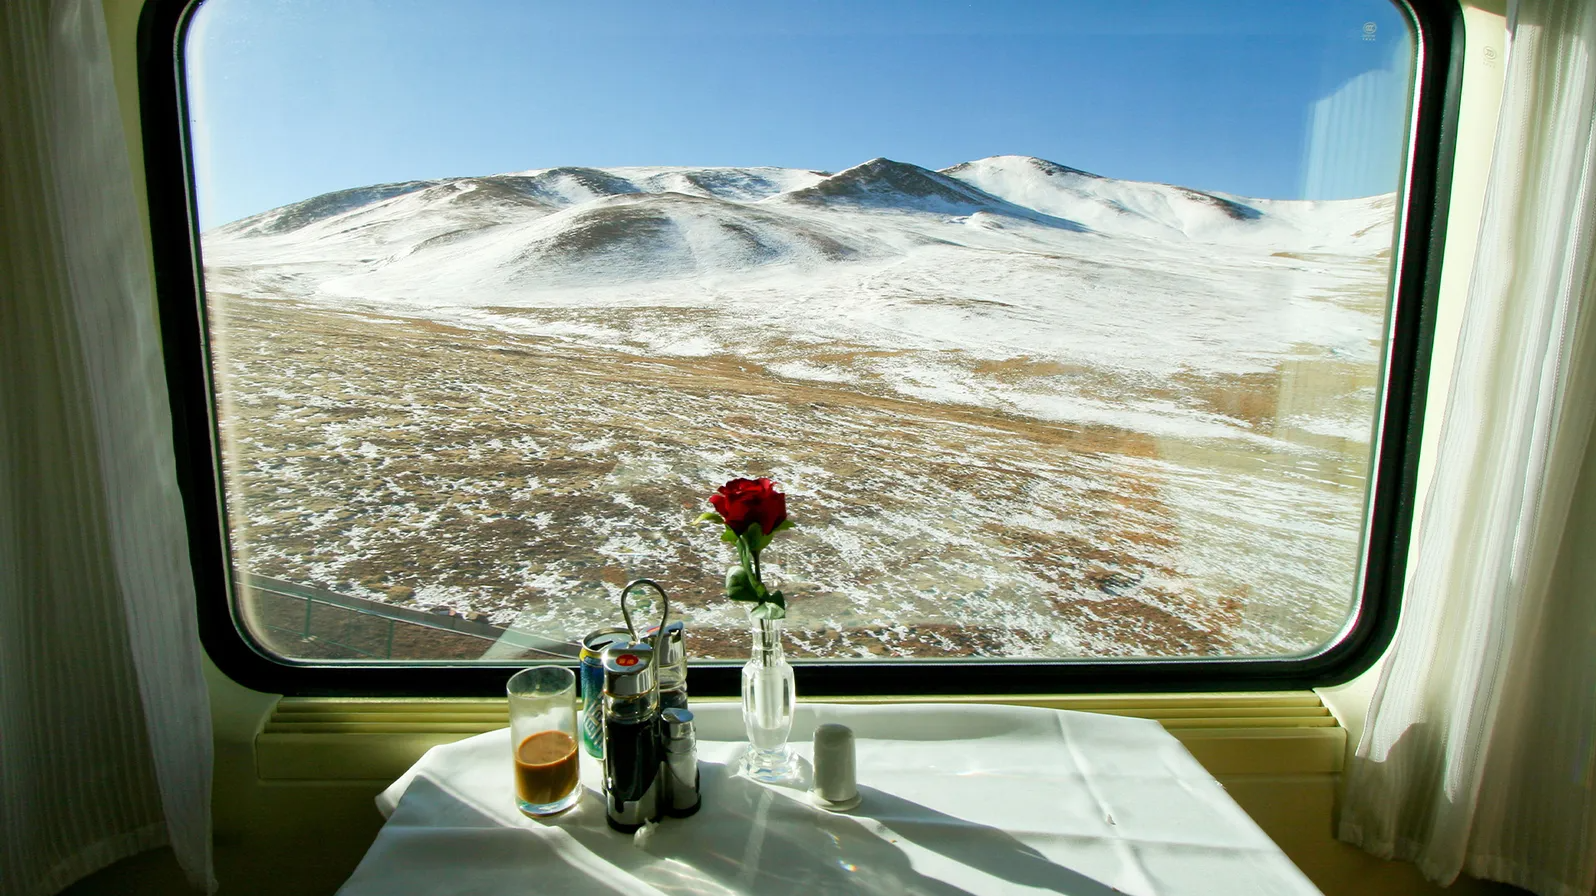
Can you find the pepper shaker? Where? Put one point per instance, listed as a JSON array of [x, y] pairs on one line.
[[681, 762]]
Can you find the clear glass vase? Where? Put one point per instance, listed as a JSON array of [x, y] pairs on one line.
[[769, 699]]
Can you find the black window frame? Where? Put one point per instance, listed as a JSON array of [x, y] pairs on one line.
[[180, 298]]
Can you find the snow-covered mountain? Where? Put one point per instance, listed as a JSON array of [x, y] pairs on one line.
[[1015, 187], [998, 257], [1121, 391]]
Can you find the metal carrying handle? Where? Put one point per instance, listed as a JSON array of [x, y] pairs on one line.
[[664, 613]]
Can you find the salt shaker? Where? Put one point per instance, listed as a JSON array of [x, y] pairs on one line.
[[836, 789], [681, 762]]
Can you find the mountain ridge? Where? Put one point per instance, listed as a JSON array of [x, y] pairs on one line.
[[570, 226], [758, 183]]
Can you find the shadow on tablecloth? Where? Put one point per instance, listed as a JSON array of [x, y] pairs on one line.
[[756, 840], [984, 848], [748, 839]]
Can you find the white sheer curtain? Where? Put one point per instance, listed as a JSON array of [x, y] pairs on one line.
[[1479, 753], [105, 737]]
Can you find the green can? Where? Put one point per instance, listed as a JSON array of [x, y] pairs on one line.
[[592, 685]]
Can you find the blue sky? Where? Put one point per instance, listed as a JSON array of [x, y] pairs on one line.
[[293, 98]]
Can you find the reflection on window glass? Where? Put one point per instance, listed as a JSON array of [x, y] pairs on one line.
[[1061, 325]]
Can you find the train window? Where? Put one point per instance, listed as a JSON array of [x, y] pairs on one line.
[[1083, 338]]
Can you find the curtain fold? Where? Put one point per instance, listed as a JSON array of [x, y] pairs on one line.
[[105, 735], [1478, 753]]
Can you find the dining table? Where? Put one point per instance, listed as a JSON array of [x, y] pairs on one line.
[[955, 799]]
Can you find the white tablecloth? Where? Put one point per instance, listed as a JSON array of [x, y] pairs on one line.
[[957, 800]]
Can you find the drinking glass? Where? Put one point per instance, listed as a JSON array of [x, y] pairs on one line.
[[543, 739]]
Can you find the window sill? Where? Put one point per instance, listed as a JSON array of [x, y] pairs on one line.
[[349, 739]]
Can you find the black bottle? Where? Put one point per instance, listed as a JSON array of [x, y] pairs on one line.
[[632, 757]]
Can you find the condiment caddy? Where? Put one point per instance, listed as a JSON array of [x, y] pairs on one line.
[[636, 718]]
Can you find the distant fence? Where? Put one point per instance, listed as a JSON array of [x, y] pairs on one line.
[[395, 615]]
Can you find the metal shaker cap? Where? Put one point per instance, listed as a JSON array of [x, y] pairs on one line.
[[674, 648], [678, 723], [628, 669]]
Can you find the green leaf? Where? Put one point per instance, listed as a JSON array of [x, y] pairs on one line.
[[763, 539], [769, 610], [774, 606], [739, 585], [748, 547], [709, 517], [757, 537], [746, 554], [785, 524], [728, 536]]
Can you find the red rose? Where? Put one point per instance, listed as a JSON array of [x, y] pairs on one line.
[[743, 502]]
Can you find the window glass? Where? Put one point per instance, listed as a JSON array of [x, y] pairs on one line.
[[1060, 324]]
